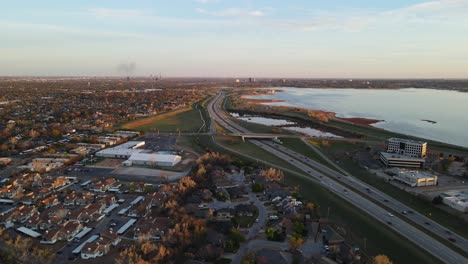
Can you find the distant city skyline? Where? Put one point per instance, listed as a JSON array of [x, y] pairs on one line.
[[222, 38]]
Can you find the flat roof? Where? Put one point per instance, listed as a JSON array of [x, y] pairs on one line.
[[129, 144], [127, 148], [404, 140], [110, 208], [154, 157], [29, 232], [83, 232], [80, 247], [126, 226], [457, 197], [137, 200], [388, 156], [416, 174]]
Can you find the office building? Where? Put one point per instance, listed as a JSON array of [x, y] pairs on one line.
[[406, 147]]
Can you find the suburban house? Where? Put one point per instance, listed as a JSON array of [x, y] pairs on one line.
[[65, 232]]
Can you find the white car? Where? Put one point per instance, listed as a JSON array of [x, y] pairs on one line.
[[390, 214]]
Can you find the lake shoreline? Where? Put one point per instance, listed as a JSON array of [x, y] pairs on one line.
[[410, 111], [353, 120]]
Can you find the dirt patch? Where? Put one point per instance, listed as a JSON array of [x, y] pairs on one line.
[[359, 120], [149, 120], [109, 163]]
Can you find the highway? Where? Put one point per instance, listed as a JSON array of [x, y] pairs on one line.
[[331, 180]]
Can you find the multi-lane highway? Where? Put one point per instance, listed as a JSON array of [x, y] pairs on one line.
[[367, 198]]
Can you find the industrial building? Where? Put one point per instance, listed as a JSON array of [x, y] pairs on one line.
[[414, 178], [153, 159], [122, 151], [398, 160], [458, 200], [406, 147], [136, 156]]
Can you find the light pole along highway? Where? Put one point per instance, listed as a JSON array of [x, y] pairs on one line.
[[332, 181]]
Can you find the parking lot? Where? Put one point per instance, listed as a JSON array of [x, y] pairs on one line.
[[158, 143]]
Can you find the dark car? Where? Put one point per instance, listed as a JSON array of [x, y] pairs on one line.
[[452, 239], [388, 222]]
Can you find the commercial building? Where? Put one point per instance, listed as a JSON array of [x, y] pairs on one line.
[[398, 160], [414, 178], [406, 147], [136, 156], [153, 159], [458, 200], [122, 151]]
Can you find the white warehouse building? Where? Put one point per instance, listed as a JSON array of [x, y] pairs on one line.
[[136, 156], [458, 200], [415, 178], [122, 151], [153, 159]]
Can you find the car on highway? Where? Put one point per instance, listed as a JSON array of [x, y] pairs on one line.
[[427, 223], [388, 222], [385, 200], [390, 214], [451, 239], [404, 212]]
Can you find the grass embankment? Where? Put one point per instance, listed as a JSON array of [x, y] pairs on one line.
[[338, 150], [247, 148], [234, 145], [300, 147], [184, 120], [360, 229]]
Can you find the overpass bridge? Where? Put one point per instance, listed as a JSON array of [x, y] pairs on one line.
[[242, 135]]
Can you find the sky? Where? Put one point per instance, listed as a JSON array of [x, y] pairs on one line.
[[241, 38]]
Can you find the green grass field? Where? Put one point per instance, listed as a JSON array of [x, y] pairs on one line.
[[300, 147], [183, 120], [250, 149]]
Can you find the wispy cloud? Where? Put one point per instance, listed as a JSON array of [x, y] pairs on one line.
[[117, 13], [233, 12], [206, 1], [358, 20]]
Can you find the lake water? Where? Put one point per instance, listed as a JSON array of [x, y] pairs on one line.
[[403, 110], [286, 125]]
